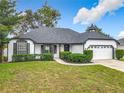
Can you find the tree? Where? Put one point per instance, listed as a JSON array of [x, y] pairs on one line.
[[47, 16], [27, 22], [4, 30], [8, 19]]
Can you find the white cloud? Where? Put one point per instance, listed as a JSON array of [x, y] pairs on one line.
[[94, 14], [121, 34]]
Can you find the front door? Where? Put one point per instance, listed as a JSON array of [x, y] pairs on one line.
[[50, 49], [55, 51]]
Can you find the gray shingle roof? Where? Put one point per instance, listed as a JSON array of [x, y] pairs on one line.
[[53, 35], [61, 35], [94, 35], [121, 41]]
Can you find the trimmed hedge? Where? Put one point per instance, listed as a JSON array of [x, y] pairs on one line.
[[119, 54], [47, 57], [64, 55], [89, 55], [5, 59], [121, 59], [32, 57], [76, 57]]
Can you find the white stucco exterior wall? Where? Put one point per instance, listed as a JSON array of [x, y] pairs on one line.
[[58, 50], [31, 46], [74, 48], [5, 52], [10, 48], [77, 48], [61, 47], [37, 48], [100, 42]]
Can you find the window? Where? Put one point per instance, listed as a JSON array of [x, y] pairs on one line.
[[46, 48], [66, 47], [42, 49], [21, 47]]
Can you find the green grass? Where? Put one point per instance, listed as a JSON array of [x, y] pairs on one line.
[[122, 59], [51, 77]]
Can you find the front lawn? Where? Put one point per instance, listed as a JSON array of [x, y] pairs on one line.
[[51, 77]]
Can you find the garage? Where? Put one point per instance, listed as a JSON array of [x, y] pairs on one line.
[[102, 51]]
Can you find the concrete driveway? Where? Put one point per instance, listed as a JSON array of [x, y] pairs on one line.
[[114, 64]]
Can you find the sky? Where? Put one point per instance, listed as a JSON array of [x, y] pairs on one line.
[[78, 14]]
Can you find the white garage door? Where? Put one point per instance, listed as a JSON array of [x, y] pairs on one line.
[[102, 52]]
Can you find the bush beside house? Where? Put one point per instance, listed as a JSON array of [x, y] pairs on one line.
[[89, 55], [119, 54], [76, 57], [32, 57], [64, 55]]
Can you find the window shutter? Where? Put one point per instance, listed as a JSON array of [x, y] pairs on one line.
[[14, 48], [28, 48]]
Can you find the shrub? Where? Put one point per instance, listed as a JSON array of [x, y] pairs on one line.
[[77, 58], [89, 55], [121, 59], [47, 57], [32, 57], [64, 55], [29, 57], [119, 54], [18, 58], [5, 58]]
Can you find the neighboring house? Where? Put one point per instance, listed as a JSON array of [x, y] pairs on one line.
[[121, 45], [56, 40]]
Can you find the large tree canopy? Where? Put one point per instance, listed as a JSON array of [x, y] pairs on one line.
[[48, 16], [27, 21], [45, 16]]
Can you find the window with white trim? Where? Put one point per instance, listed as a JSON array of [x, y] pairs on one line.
[[22, 47]]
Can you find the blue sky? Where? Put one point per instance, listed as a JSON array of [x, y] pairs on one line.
[[111, 22]]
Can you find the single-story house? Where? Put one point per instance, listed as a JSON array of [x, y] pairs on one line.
[[56, 40]]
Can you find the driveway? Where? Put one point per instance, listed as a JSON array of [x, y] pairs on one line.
[[114, 64]]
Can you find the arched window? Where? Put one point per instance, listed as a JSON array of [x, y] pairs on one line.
[[21, 47]]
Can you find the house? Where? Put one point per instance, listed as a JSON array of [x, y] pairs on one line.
[[55, 40], [121, 45]]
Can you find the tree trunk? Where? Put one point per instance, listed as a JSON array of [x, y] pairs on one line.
[[1, 54]]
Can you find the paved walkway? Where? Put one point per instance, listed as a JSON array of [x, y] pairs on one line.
[[72, 64], [114, 64]]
